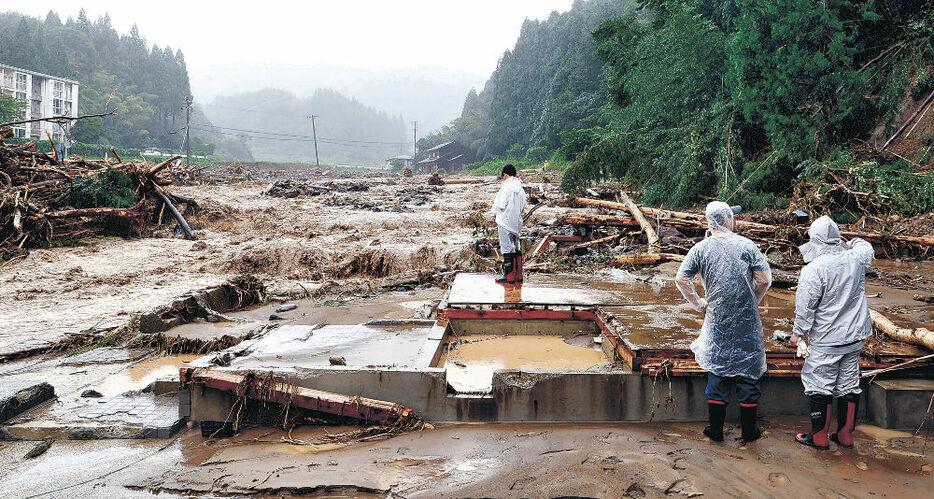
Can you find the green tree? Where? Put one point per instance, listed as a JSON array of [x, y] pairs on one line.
[[10, 109]]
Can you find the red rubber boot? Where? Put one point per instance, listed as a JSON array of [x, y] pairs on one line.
[[820, 423], [846, 420]]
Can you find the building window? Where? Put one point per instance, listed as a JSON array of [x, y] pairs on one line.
[[21, 96], [57, 107], [68, 90], [57, 136], [57, 89], [20, 132], [8, 80], [68, 108], [21, 81]]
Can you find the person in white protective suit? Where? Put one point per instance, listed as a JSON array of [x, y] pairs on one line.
[[731, 344], [507, 207], [832, 314]]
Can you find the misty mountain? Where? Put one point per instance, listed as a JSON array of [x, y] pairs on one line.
[[432, 96], [277, 126]]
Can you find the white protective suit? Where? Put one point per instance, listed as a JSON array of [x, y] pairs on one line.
[[831, 310], [508, 206], [735, 276]]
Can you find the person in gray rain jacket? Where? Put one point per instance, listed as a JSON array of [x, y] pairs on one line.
[[731, 344], [832, 314], [507, 207]]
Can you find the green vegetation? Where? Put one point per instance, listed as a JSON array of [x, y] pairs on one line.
[[148, 87], [279, 129], [111, 188], [688, 100], [9, 108]]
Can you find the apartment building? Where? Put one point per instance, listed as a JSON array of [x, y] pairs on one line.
[[44, 95]]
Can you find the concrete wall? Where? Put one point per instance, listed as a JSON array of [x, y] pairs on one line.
[[527, 396]]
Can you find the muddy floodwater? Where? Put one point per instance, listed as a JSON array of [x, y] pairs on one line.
[[471, 362], [141, 374]]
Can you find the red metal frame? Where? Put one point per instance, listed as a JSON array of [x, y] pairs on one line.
[[364, 409]]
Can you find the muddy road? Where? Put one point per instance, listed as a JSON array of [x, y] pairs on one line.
[[533, 460]]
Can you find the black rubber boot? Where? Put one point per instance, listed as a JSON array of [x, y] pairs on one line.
[[717, 414], [747, 418], [508, 264], [820, 423], [846, 420]]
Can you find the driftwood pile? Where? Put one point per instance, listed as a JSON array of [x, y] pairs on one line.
[[37, 203]]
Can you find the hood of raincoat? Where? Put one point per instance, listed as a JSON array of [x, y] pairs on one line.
[[719, 216], [824, 239]]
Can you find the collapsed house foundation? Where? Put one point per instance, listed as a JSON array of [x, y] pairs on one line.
[[560, 348]]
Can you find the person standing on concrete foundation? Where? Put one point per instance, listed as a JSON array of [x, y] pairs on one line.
[[507, 207], [731, 344], [832, 314]]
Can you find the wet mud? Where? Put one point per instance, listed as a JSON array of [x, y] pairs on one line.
[[471, 360]]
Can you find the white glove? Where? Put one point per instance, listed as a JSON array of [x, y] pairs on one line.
[[803, 351]]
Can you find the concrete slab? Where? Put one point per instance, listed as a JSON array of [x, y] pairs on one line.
[[360, 345], [900, 404], [561, 289], [106, 355], [19, 397], [125, 416]]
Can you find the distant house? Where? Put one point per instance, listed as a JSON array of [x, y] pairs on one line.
[[447, 157], [398, 162], [44, 95]]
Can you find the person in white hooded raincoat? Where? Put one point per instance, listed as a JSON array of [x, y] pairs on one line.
[[507, 207], [731, 344], [832, 314]]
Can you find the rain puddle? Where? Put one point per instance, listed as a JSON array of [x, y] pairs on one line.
[[470, 363], [141, 374]]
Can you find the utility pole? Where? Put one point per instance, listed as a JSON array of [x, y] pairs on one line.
[[414, 140], [314, 133], [188, 130]]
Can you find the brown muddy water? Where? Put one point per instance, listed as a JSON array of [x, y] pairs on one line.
[[142, 374], [471, 362]]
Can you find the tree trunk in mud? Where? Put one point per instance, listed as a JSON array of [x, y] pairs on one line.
[[696, 221], [651, 236], [917, 336], [646, 259]]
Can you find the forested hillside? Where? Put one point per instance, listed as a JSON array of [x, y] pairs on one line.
[[551, 81], [147, 86], [744, 100], [278, 127]]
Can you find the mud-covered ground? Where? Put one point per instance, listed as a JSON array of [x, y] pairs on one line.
[[352, 247], [313, 243], [505, 460]]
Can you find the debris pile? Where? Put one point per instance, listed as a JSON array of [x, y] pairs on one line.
[[288, 188], [45, 200]]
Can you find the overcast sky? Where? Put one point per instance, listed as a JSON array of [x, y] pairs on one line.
[[469, 34]]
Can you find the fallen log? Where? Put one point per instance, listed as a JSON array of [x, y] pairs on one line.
[[595, 242], [646, 259], [650, 235], [917, 336], [695, 221], [608, 220], [95, 212], [464, 181], [175, 213], [161, 166]]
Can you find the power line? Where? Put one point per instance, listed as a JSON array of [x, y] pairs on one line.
[[295, 139], [310, 137]]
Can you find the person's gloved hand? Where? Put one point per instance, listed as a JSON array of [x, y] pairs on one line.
[[803, 351], [701, 306]]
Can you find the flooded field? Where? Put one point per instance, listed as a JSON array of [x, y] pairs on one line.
[[141, 374]]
